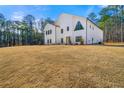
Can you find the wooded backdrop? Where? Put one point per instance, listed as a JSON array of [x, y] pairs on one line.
[[111, 21]]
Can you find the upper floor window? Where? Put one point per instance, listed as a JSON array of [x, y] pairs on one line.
[[50, 31], [90, 26], [93, 28], [79, 26], [46, 32], [61, 31], [67, 28]]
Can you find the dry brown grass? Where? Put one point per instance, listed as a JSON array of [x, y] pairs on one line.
[[62, 66], [115, 44]]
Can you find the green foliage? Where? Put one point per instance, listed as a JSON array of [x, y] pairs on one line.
[[92, 16], [19, 32], [81, 41]]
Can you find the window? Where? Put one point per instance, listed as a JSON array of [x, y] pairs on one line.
[[61, 31], [78, 38], [47, 41], [50, 31], [90, 26], [67, 28], [61, 40], [79, 26], [50, 41], [92, 40], [46, 32], [93, 28]]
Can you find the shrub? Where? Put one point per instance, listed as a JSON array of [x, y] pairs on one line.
[[82, 41]]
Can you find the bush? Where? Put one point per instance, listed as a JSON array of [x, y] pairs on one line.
[[81, 41], [99, 42]]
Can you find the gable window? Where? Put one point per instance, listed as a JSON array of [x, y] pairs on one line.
[[61, 31], [67, 28], [79, 26], [78, 38]]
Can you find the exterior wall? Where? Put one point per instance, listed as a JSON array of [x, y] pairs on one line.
[[94, 34], [90, 34], [82, 32], [49, 36], [64, 21], [71, 21]]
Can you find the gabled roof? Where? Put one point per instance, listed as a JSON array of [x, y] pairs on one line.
[[93, 23], [55, 24], [81, 17]]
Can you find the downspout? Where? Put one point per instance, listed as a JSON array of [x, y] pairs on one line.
[[55, 34], [86, 31]]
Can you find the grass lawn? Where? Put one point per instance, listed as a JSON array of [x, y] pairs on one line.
[[114, 44], [62, 66]]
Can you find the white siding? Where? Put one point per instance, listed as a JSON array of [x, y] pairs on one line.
[[93, 32], [67, 20], [50, 36]]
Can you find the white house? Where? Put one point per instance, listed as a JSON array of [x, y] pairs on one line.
[[71, 29]]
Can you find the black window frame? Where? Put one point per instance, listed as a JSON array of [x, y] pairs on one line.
[[78, 38], [92, 28], [50, 41], [62, 31], [50, 31], [62, 40], [47, 41], [46, 32], [67, 28]]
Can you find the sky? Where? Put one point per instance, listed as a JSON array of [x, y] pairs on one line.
[[17, 12]]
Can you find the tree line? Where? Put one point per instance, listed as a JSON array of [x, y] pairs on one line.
[[111, 20], [29, 32], [25, 32]]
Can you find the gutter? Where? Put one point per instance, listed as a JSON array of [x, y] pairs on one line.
[[86, 30]]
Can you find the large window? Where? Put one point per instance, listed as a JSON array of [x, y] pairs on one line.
[[79, 26], [78, 38], [61, 31]]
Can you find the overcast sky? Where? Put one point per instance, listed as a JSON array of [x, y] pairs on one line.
[[16, 12]]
